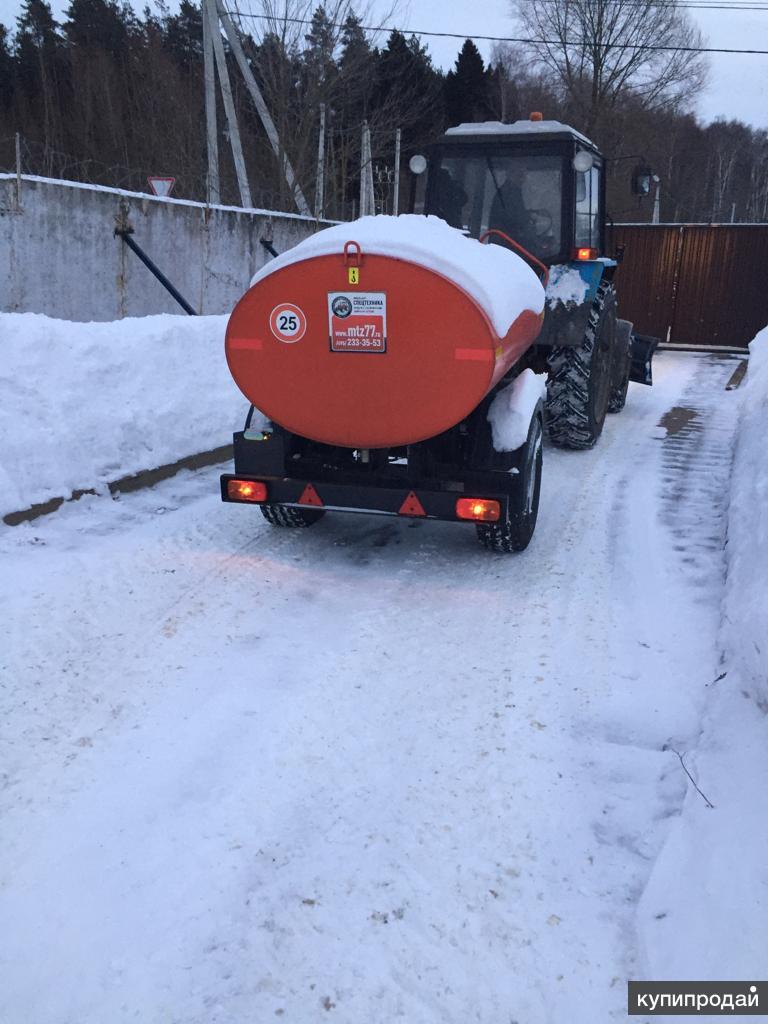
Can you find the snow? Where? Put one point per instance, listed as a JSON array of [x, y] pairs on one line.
[[746, 600], [705, 910], [525, 127], [565, 285], [147, 196], [367, 771], [513, 407], [501, 283], [82, 404]]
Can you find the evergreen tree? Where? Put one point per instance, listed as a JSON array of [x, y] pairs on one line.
[[408, 90], [467, 87], [183, 35], [97, 24], [356, 63], [317, 57], [6, 69], [355, 48], [41, 78]]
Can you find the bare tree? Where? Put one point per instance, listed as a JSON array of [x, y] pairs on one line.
[[516, 89], [598, 50]]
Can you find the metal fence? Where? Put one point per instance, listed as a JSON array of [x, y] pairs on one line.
[[694, 284]]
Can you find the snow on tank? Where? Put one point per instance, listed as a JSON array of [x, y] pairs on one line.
[[499, 281], [518, 128]]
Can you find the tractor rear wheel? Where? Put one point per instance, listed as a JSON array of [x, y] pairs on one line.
[[579, 385], [285, 515], [515, 533]]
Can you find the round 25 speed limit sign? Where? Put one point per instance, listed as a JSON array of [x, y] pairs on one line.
[[288, 323]]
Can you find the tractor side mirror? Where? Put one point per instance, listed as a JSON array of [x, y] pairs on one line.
[[619, 254]]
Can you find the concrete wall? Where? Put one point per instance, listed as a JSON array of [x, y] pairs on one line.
[[59, 255]]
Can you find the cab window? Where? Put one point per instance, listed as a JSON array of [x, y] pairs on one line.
[[519, 195], [587, 234]]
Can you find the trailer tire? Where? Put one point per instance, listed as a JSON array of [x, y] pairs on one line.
[[578, 389], [288, 516], [516, 532], [620, 383]]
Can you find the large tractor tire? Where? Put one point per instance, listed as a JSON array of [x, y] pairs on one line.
[[515, 533], [579, 385], [622, 366], [283, 515]]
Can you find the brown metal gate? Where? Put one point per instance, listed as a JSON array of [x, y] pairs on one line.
[[694, 284]]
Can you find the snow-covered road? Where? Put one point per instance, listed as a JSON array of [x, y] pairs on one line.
[[364, 772]]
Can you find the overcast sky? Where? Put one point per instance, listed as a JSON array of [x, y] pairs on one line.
[[738, 83]]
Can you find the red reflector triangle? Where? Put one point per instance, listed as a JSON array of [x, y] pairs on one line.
[[309, 496], [412, 506]]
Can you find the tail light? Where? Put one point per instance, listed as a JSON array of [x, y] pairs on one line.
[[246, 490], [481, 510]]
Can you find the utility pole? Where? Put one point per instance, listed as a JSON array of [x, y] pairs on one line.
[[320, 183], [367, 205], [656, 201], [212, 192], [396, 198], [229, 105], [261, 107], [363, 197]]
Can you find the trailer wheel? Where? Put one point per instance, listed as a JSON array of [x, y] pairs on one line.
[[285, 515], [515, 533], [578, 389], [620, 382]]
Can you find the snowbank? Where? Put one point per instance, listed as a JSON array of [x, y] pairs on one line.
[[746, 601], [501, 283], [83, 404], [511, 410], [705, 911]]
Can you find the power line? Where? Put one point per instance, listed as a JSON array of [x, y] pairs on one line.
[[681, 5], [497, 39], [700, 5], [691, 5]]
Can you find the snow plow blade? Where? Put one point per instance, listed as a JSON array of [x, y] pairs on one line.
[[643, 347]]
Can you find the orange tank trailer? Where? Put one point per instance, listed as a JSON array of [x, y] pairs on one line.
[[395, 369]]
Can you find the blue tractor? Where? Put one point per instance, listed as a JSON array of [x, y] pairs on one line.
[[539, 187]]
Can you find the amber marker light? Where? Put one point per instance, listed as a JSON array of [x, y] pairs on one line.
[[482, 510], [585, 254], [246, 490]]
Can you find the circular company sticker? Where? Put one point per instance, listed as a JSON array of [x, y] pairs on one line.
[[288, 323], [341, 306]]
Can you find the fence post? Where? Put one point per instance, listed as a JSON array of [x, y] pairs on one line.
[[396, 199], [18, 172]]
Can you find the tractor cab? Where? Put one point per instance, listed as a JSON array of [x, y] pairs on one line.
[[538, 187], [539, 182]]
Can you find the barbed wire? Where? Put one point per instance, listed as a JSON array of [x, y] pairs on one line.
[[42, 160]]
